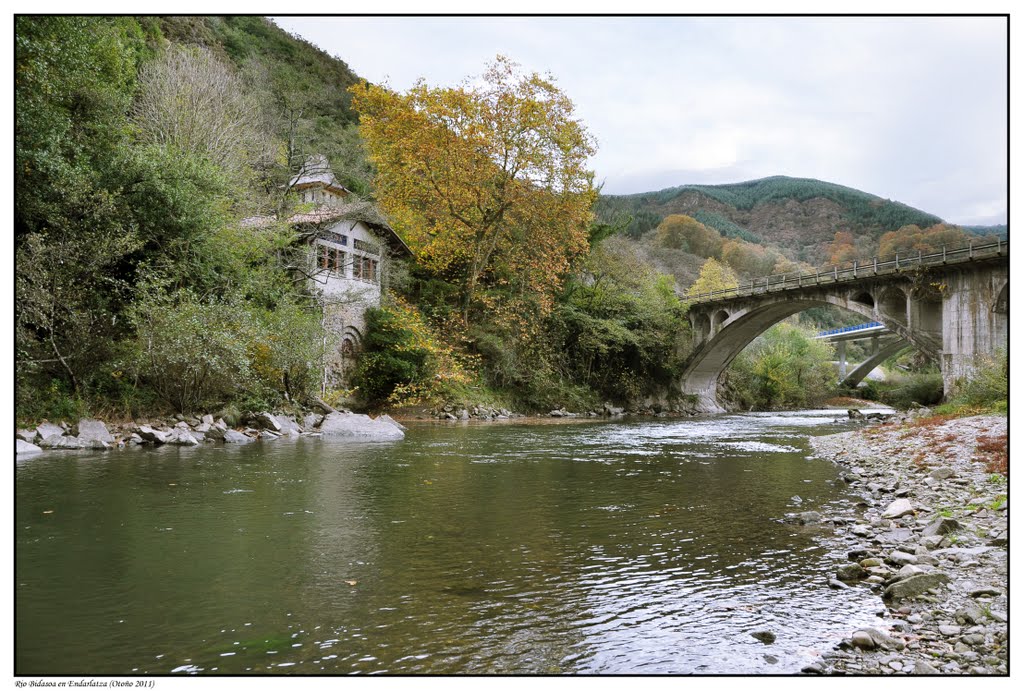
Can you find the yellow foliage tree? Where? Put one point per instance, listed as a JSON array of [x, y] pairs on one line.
[[912, 239], [714, 275], [487, 181], [682, 232]]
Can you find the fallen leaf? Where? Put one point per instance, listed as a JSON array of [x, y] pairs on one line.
[[351, 582]]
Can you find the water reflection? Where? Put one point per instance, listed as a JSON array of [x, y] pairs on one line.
[[651, 547]]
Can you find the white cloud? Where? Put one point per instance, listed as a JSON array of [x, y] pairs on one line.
[[912, 109]]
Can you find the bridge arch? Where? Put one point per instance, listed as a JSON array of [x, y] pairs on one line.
[[718, 319], [711, 357], [892, 302], [864, 298]]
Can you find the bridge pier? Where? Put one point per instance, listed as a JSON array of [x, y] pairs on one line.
[[975, 316]]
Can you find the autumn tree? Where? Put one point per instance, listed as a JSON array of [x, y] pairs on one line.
[[842, 249], [683, 232], [749, 257], [913, 239], [487, 181], [714, 276]]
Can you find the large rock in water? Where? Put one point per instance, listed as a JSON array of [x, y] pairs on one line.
[[287, 425], [235, 437], [26, 448], [88, 430], [152, 435], [360, 427]]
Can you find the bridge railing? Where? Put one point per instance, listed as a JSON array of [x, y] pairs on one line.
[[875, 266], [848, 329]]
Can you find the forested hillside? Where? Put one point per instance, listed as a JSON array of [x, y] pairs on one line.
[[796, 215]]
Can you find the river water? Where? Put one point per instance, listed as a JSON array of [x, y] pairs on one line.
[[592, 547]]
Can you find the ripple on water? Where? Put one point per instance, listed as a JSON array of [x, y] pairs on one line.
[[615, 547]]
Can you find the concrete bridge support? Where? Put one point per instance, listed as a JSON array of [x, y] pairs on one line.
[[953, 314], [878, 356], [975, 314]]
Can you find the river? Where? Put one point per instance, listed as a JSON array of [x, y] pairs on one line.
[[632, 547]]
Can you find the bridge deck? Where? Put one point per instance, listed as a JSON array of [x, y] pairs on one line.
[[857, 271]]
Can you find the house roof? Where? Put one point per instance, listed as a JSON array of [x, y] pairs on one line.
[[364, 212], [316, 172]]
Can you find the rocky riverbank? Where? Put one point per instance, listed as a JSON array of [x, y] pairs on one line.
[[182, 430], [930, 537]]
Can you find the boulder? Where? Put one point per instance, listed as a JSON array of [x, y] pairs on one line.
[[48, 429], [766, 637], [207, 419], [869, 639], [152, 435], [908, 571], [233, 437], [941, 473], [59, 441], [855, 414], [215, 433], [900, 507], [28, 435], [87, 430], [851, 572], [26, 448], [267, 421], [941, 526], [359, 426], [809, 517], [288, 425], [387, 418], [915, 585], [901, 558], [312, 420], [182, 437]]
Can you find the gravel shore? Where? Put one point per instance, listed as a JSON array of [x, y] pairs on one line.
[[930, 537]]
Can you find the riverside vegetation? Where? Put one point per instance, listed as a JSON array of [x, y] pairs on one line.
[[141, 142]]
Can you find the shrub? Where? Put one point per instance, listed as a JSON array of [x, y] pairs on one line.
[[784, 367], [403, 360], [191, 353], [988, 388], [922, 388]]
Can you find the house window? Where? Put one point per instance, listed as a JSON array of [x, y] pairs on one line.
[[368, 247], [332, 260], [365, 269]]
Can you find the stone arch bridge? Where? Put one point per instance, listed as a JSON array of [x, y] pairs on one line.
[[952, 305]]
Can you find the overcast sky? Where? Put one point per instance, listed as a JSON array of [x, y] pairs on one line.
[[909, 109]]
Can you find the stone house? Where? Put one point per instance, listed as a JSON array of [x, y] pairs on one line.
[[352, 246]]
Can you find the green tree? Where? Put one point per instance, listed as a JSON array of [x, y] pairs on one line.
[[784, 367]]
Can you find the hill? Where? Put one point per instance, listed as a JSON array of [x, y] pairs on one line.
[[799, 216]]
